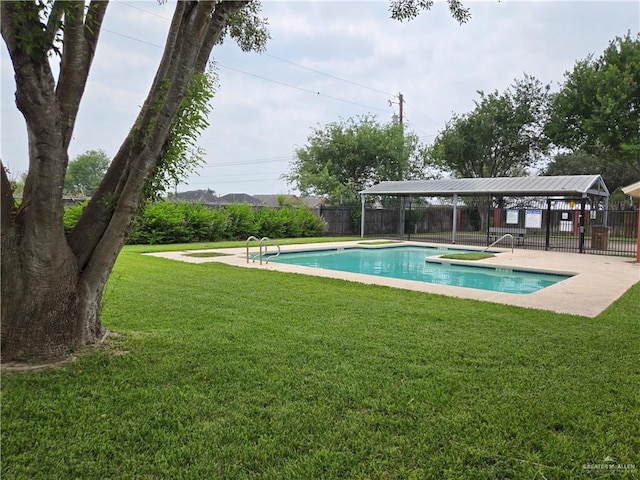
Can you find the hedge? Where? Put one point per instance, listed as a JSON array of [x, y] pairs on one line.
[[185, 222], [71, 216]]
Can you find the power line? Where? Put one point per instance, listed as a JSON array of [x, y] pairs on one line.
[[259, 76], [283, 59], [215, 182], [419, 113], [131, 38], [249, 162], [302, 89], [146, 11], [234, 175], [326, 74]]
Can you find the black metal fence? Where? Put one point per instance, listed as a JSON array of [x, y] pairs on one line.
[[557, 225]]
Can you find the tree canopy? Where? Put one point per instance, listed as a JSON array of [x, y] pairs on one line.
[[344, 157], [614, 174], [597, 110], [502, 136], [409, 9]]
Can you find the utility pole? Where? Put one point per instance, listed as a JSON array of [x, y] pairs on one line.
[[398, 119]]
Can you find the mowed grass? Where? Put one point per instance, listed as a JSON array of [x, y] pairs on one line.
[[468, 256], [223, 372]]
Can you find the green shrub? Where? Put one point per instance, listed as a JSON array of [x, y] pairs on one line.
[[218, 226], [185, 222], [240, 221], [71, 216], [182, 222], [198, 221], [160, 223], [292, 227], [310, 224], [270, 223]]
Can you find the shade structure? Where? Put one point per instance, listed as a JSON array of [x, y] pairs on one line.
[[632, 190], [562, 185]]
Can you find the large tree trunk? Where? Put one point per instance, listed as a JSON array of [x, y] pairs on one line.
[[46, 307], [52, 284]]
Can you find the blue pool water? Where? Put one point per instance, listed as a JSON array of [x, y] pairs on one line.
[[408, 263]]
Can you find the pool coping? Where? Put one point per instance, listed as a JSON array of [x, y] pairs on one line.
[[598, 280], [479, 264]]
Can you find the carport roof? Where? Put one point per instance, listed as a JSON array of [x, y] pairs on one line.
[[563, 185]]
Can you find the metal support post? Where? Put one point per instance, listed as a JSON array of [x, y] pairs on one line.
[[455, 218]]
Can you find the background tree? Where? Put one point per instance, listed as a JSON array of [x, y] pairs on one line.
[[597, 112], [578, 163], [17, 182], [52, 283], [502, 137], [343, 158], [614, 174], [85, 172]]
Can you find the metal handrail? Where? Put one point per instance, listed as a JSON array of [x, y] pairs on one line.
[[264, 240], [261, 242], [498, 240], [257, 240]]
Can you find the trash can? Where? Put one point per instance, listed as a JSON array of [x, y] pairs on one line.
[[600, 238]]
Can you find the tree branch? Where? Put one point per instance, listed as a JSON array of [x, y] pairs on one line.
[[41, 209], [110, 205], [93, 23], [54, 22], [221, 14], [105, 223], [80, 40]]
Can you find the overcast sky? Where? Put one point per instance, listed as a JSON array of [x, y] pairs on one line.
[[325, 61]]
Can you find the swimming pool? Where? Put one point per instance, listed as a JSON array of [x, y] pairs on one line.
[[409, 263]]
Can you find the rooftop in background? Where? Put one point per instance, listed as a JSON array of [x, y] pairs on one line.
[[239, 198], [274, 200], [563, 185], [209, 197], [204, 196]]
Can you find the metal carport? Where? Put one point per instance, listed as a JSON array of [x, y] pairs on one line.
[[564, 186]]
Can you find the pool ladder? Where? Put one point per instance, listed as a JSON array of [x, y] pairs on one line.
[[499, 240], [262, 242]]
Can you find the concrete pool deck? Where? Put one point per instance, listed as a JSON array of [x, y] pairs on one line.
[[597, 282]]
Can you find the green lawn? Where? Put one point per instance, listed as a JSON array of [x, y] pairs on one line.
[[224, 372], [468, 256]]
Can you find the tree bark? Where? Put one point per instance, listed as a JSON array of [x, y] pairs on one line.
[[7, 202], [47, 310]]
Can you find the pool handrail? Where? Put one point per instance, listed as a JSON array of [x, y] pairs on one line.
[[261, 242], [252, 237], [264, 241], [498, 240]]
